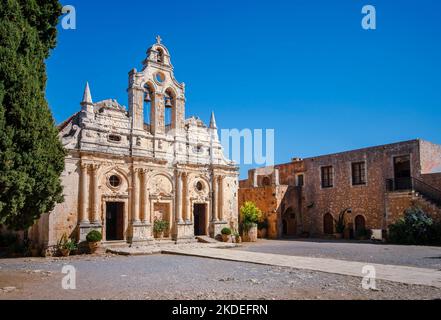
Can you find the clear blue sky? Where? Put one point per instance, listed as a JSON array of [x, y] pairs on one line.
[[305, 68]]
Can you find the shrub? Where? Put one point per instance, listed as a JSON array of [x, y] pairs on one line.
[[250, 213], [340, 223], [160, 225], [226, 231], [413, 229], [94, 236], [66, 243]]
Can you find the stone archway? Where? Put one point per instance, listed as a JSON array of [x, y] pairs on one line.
[[360, 223], [289, 222], [328, 224]]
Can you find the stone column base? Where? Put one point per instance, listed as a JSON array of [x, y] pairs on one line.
[[184, 232], [140, 232], [216, 228], [85, 228]]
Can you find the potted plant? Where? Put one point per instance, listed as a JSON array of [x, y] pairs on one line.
[[237, 237], [250, 216], [66, 245], [226, 234], [94, 238], [159, 226], [340, 225], [262, 227]]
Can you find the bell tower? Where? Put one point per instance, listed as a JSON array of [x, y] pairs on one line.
[[156, 98]]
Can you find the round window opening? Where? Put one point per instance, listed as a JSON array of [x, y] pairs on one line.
[[114, 181], [159, 77], [199, 186]]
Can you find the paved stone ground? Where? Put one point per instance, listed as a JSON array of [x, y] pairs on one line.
[[416, 256], [181, 277]]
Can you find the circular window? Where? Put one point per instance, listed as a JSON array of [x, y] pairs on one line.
[[114, 181], [199, 186], [159, 77]]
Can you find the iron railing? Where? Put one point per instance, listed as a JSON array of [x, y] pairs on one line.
[[413, 184]]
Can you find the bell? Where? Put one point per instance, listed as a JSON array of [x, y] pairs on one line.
[[168, 103], [147, 97]]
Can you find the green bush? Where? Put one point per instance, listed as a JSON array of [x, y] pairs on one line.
[[66, 243], [250, 213], [94, 236], [160, 225], [415, 228], [226, 231]]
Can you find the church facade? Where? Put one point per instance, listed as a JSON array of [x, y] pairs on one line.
[[126, 168]]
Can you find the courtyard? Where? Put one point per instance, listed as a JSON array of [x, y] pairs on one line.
[[171, 276]]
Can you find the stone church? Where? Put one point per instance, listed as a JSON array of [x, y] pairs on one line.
[[127, 167]]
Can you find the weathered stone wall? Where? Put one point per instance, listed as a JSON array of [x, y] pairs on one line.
[[433, 179], [430, 157]]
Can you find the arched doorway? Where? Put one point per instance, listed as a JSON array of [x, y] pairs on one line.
[[360, 223], [328, 224], [289, 222]]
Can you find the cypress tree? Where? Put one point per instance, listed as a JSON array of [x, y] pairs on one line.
[[31, 155]]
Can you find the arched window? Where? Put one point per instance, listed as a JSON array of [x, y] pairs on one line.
[[328, 224], [160, 56], [148, 103], [169, 103]]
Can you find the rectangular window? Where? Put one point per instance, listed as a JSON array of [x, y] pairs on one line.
[[327, 177], [300, 180], [358, 173]]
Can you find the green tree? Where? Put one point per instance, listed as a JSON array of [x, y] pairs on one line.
[[31, 155], [250, 214]]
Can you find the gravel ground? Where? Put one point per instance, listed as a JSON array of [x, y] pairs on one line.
[[414, 256], [180, 277]]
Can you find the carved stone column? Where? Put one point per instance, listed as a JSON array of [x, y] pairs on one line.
[[96, 219], [135, 196], [215, 199], [179, 197], [145, 207], [221, 199], [185, 199], [84, 195]]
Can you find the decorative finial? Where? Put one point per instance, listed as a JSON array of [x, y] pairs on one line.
[[213, 121], [158, 39], [87, 97]]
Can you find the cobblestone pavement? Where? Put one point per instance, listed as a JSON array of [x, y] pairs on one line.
[[181, 277], [415, 256]]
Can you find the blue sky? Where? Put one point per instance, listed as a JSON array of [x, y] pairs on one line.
[[305, 68]]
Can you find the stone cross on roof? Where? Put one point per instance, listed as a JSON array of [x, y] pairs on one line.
[[158, 39]]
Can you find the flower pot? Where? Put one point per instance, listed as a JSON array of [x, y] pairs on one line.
[[159, 234], [93, 247], [226, 238], [238, 239], [250, 235], [65, 252]]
